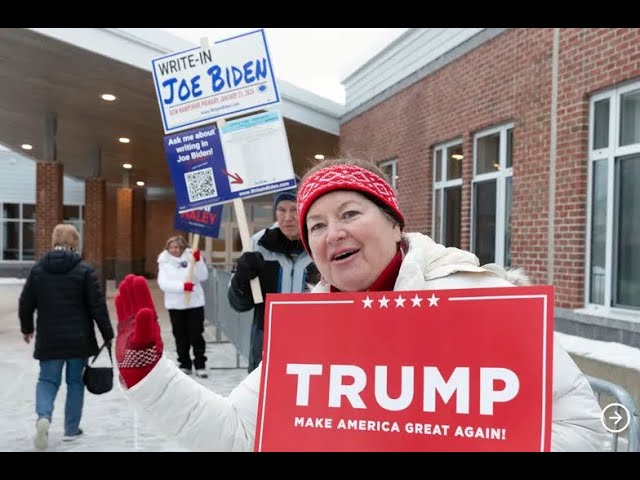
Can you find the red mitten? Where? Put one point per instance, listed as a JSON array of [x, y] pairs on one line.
[[196, 255], [138, 343], [188, 286]]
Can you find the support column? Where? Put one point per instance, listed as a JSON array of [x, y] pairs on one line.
[[124, 233], [94, 226], [49, 189], [49, 192], [139, 230]]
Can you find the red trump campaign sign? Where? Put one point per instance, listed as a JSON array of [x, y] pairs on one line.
[[441, 370]]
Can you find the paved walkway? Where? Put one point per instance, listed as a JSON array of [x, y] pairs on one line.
[[108, 420]]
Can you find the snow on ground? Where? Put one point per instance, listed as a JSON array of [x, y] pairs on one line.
[[108, 420], [608, 352], [12, 281]]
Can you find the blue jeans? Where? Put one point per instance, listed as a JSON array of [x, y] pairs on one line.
[[47, 389]]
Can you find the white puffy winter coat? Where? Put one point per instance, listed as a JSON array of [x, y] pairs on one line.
[[173, 272], [203, 420]]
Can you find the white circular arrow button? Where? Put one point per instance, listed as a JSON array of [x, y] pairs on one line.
[[612, 419]]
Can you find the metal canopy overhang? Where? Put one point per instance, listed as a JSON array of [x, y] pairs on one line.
[[64, 72]]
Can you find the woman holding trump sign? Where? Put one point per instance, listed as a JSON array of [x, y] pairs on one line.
[[351, 225]]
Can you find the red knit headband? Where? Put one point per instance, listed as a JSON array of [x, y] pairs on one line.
[[344, 177]]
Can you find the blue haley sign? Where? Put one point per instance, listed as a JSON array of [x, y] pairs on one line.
[[249, 157], [196, 86], [205, 222]]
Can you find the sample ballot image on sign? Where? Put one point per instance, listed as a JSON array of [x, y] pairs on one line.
[[440, 370], [256, 149]]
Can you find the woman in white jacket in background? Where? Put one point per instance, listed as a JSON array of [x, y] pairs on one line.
[[187, 318], [351, 225]]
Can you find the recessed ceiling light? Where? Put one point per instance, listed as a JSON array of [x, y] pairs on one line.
[[127, 166], [26, 146], [319, 157], [124, 140], [140, 183], [108, 97]]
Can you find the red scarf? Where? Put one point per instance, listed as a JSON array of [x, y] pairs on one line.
[[387, 279]]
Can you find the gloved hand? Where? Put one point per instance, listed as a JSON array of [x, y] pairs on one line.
[[138, 343], [249, 266], [196, 255], [188, 286]]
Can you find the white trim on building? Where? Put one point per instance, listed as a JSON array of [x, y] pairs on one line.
[[410, 58]]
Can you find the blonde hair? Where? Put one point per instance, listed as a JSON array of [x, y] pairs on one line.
[[178, 240], [66, 237]]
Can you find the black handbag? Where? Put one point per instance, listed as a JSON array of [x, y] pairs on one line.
[[99, 380]]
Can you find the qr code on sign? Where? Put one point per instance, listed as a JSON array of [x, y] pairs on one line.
[[200, 184]]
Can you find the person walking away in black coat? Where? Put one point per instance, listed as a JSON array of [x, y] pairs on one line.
[[66, 293]]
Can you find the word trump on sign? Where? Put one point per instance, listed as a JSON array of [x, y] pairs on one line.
[[434, 383], [445, 370]]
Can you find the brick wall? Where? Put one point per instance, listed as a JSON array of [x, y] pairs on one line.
[[48, 203], [94, 224], [591, 59], [124, 221], [152, 226], [506, 80], [139, 230], [123, 264], [111, 219], [94, 220]]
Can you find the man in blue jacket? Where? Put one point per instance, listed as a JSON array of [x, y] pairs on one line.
[[279, 260]]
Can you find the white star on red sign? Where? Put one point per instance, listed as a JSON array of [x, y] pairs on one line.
[[433, 300], [400, 301], [417, 301], [383, 302], [367, 302]]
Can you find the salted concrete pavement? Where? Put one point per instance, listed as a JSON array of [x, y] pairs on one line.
[[108, 421]]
